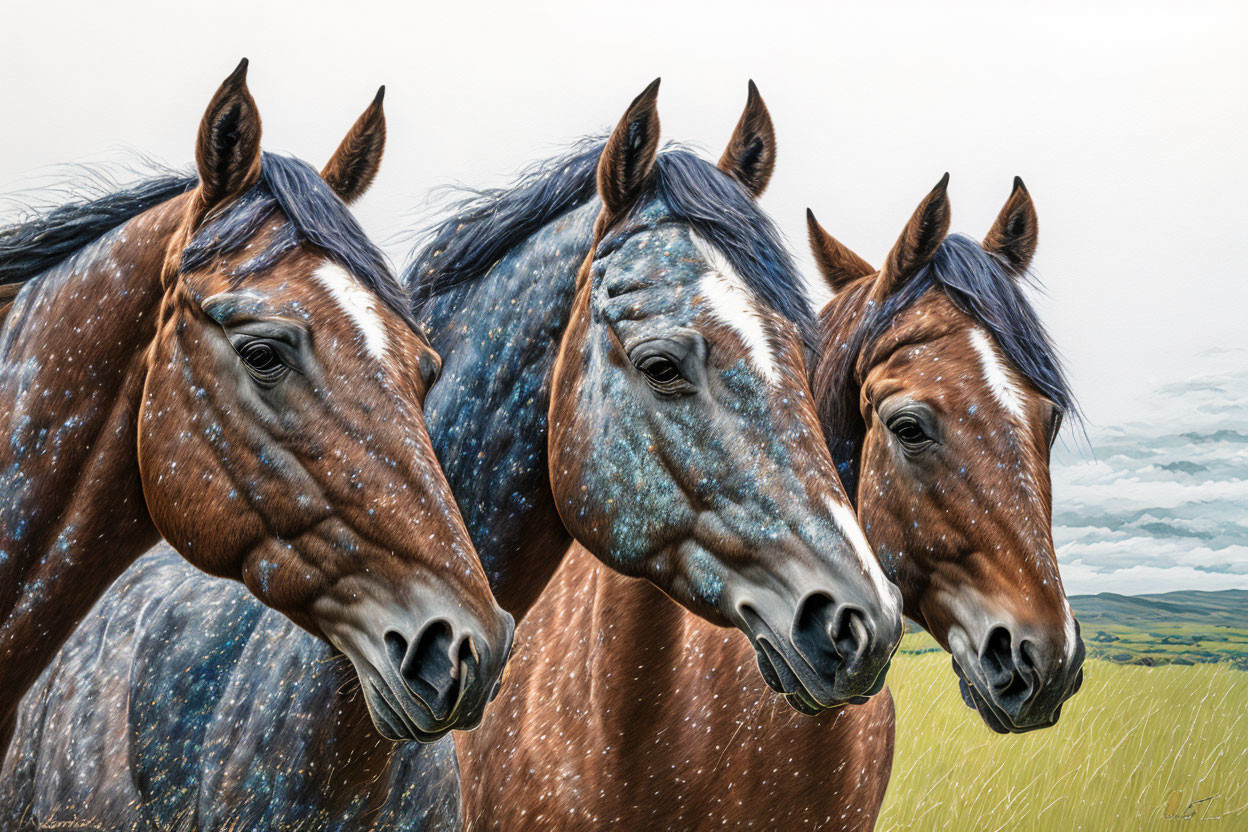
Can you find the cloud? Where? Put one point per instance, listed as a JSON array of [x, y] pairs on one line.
[[1161, 503]]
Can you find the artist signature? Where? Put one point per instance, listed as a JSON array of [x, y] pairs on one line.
[[1195, 810]]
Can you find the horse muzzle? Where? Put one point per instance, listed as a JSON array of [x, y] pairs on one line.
[[1018, 683], [833, 652], [422, 681]]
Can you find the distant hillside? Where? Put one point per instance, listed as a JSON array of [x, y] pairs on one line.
[[1228, 608], [1187, 627]]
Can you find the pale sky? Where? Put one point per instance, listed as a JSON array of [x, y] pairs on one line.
[[1126, 120]]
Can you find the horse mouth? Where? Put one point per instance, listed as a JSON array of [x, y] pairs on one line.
[[392, 720], [991, 713], [783, 676]]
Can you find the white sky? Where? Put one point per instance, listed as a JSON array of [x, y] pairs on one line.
[[1127, 121]]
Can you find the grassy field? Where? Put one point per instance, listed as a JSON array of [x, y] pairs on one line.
[[1138, 748]]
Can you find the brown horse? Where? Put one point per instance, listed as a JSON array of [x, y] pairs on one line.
[[629, 373], [226, 361], [935, 381]]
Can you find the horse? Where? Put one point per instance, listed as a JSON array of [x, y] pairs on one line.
[[940, 394], [226, 361], [625, 371]]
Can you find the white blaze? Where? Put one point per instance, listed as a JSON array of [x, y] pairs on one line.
[[1072, 637], [359, 305], [999, 377], [847, 522], [733, 304]]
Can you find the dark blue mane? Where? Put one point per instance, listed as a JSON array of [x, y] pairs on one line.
[[489, 223], [315, 216], [30, 248], [979, 284]]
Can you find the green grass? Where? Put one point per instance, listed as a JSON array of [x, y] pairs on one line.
[[1142, 643], [1134, 745]]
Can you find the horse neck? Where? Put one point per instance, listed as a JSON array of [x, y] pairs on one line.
[[72, 368], [499, 337], [620, 645]]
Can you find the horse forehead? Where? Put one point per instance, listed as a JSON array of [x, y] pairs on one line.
[[1001, 378], [359, 306], [924, 345], [674, 273]]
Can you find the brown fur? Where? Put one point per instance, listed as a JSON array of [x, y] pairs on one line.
[[328, 502], [750, 157], [622, 711], [1014, 234], [354, 165], [838, 265], [629, 153]]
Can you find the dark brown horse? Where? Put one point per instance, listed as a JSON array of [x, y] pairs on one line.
[[941, 396], [629, 373], [226, 361]]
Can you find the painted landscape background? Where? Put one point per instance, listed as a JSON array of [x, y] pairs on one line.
[[1138, 748]]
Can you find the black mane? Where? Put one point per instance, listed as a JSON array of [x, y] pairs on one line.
[[30, 248], [487, 224], [314, 213]]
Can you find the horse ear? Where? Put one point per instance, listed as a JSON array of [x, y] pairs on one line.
[[1013, 235], [228, 150], [352, 168], [629, 154], [750, 157], [918, 241], [838, 265]]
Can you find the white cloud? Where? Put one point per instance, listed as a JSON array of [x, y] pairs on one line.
[[1161, 505]]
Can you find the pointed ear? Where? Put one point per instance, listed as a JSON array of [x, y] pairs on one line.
[[228, 150], [918, 241], [352, 168], [838, 265], [750, 157], [1013, 236], [629, 154]]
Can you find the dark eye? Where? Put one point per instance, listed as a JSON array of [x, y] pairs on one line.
[[910, 432], [263, 361], [663, 374]]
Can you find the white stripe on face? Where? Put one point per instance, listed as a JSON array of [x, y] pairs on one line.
[[733, 304], [1072, 637], [999, 377], [847, 522], [358, 304]]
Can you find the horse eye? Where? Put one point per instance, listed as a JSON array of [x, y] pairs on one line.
[[909, 431], [662, 374], [263, 361]]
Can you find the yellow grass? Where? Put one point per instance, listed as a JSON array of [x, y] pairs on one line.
[[1135, 745]]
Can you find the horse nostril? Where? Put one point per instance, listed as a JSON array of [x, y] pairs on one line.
[[997, 658], [1027, 661], [1012, 674], [396, 649], [427, 667], [831, 637], [851, 635]]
